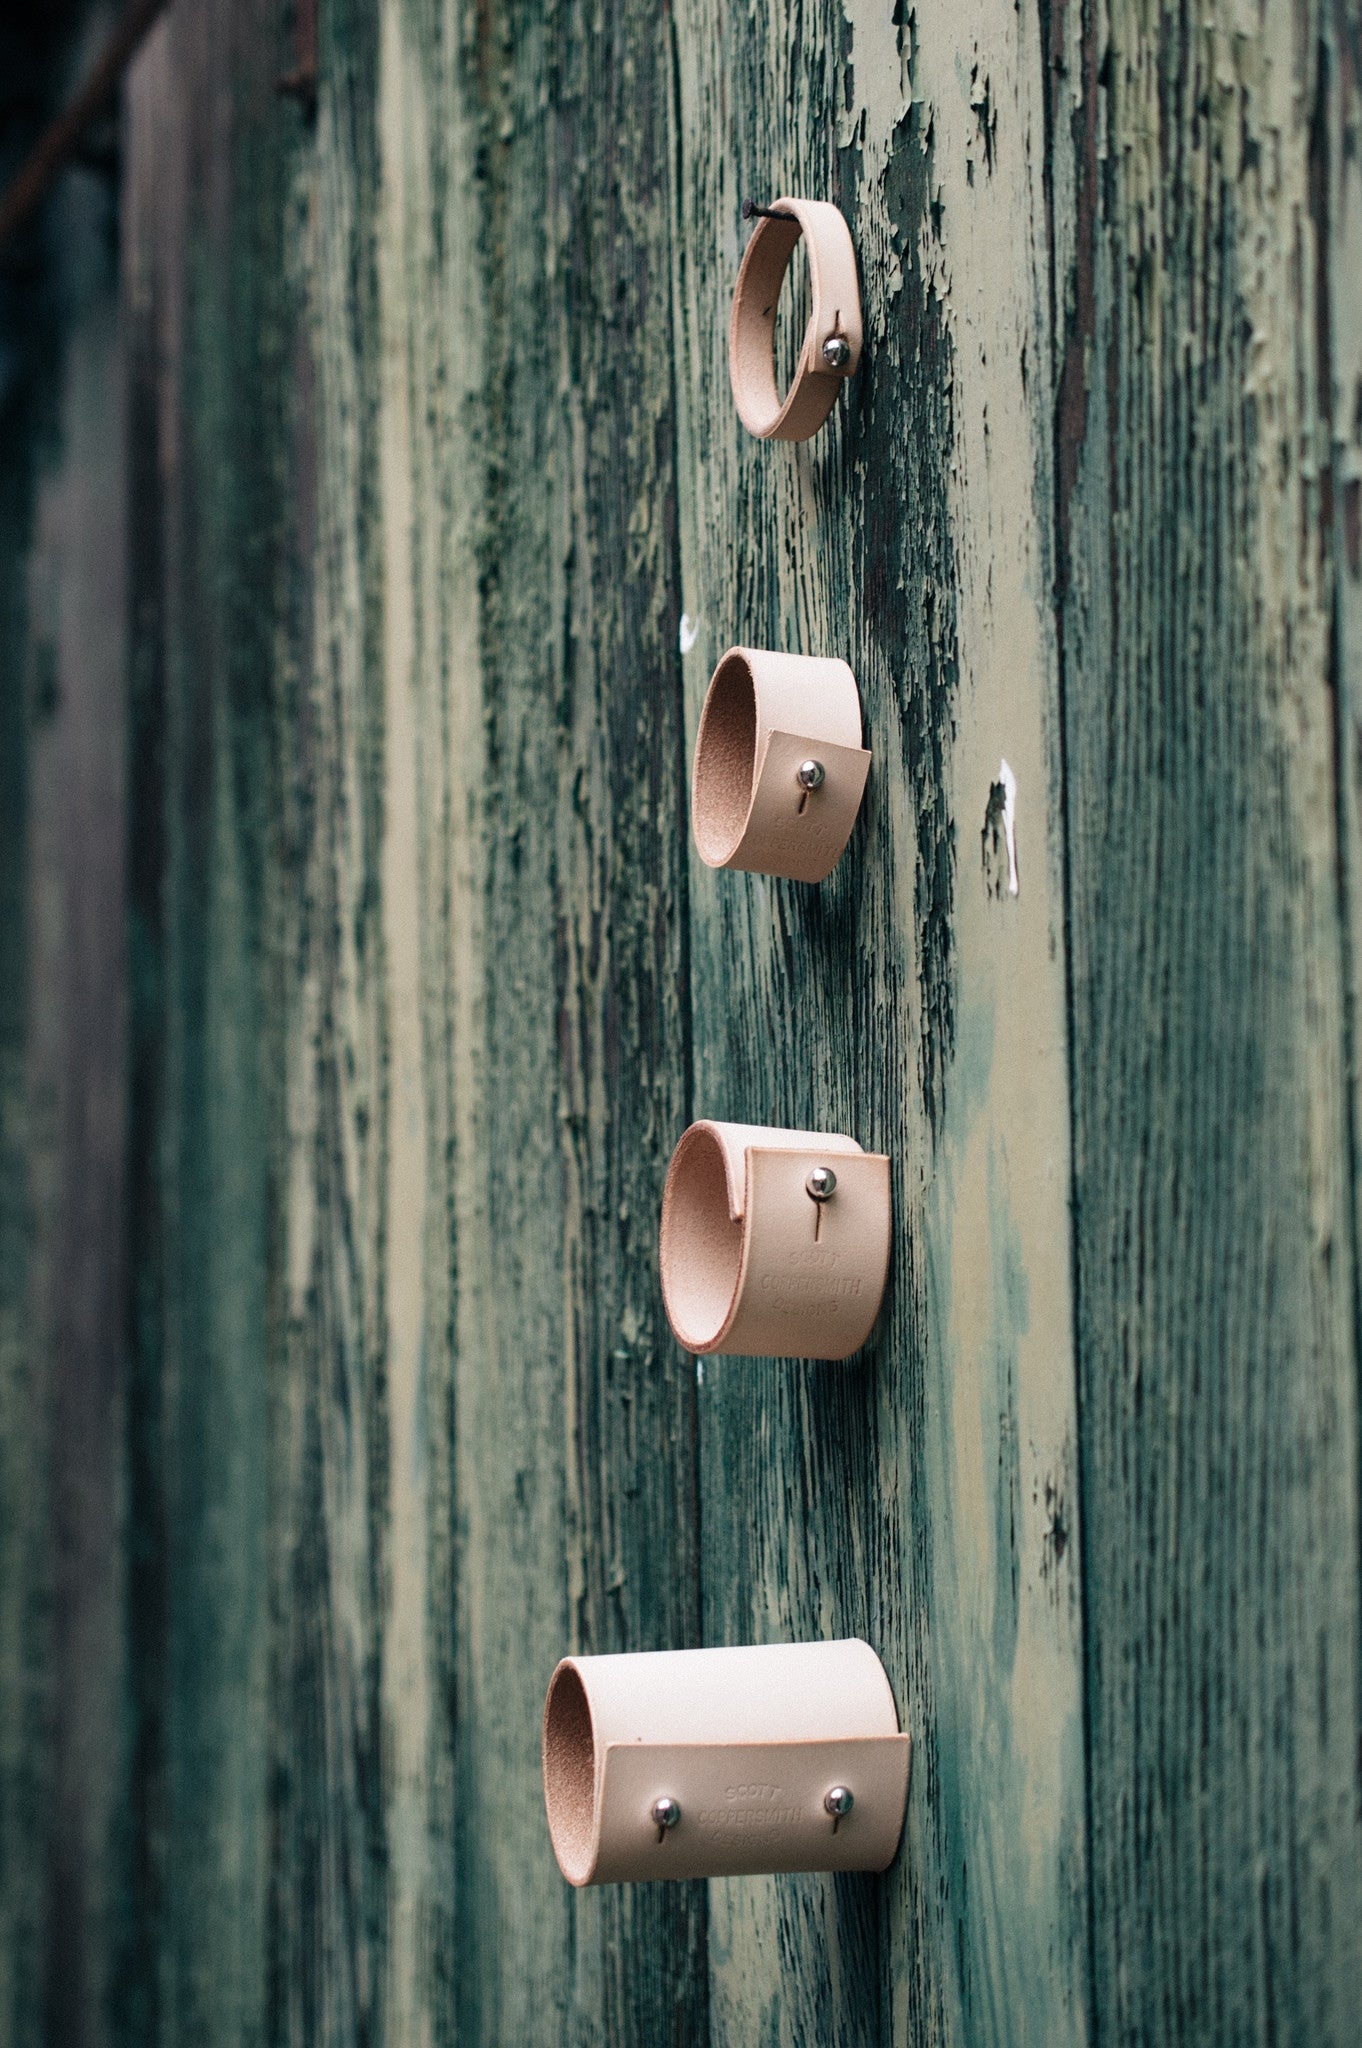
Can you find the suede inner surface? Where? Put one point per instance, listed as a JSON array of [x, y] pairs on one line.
[[752, 325], [700, 1245], [570, 1774], [764, 264], [725, 761]]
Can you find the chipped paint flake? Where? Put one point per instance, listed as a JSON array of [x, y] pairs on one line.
[[1009, 785]]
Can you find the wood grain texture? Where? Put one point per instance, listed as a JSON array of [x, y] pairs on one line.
[[62, 1097], [75, 1137], [1214, 1189], [923, 1495], [576, 1455], [430, 446], [421, 951], [23, 1503], [203, 223]]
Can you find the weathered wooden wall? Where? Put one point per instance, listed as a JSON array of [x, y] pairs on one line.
[[62, 1062], [911, 1001], [1211, 741], [427, 516]]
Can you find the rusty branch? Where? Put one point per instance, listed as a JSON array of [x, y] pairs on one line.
[[59, 141]]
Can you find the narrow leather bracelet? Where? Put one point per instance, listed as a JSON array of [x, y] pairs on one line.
[[832, 340]]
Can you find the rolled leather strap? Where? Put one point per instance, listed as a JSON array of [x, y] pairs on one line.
[[752, 1263], [739, 1747], [764, 716], [836, 313]]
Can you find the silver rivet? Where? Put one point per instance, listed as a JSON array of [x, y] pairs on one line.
[[666, 1813], [836, 351], [821, 1183], [838, 1802], [809, 774]]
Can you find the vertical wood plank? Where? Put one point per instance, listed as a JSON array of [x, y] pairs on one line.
[[924, 1495], [1214, 1196], [23, 1481], [430, 293], [999, 1479], [75, 1136], [206, 170], [787, 1453], [62, 1050], [347, 1317], [430, 444], [151, 298], [507, 1193], [574, 1420], [475, 1051]]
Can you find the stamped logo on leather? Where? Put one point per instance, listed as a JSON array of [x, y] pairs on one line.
[[751, 1806], [811, 1290]]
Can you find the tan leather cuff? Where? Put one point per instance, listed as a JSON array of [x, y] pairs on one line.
[[752, 1263], [834, 319], [765, 716], [719, 1763]]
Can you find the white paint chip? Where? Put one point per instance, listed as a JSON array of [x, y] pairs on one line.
[[699, 1372], [1009, 783], [689, 633]]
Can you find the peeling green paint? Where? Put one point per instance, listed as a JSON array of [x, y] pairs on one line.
[[430, 448]]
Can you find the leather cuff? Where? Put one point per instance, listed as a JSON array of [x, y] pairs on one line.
[[779, 767], [754, 1262], [831, 348], [721, 1763]]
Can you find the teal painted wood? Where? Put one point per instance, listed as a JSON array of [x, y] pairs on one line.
[[574, 1417], [75, 1137], [925, 1494], [210, 532], [1209, 899], [432, 1439], [62, 1019], [25, 1646], [431, 445], [22, 1494]]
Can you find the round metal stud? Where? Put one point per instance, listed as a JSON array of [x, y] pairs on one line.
[[821, 1183], [810, 774], [838, 1801], [836, 351], [666, 1813]]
